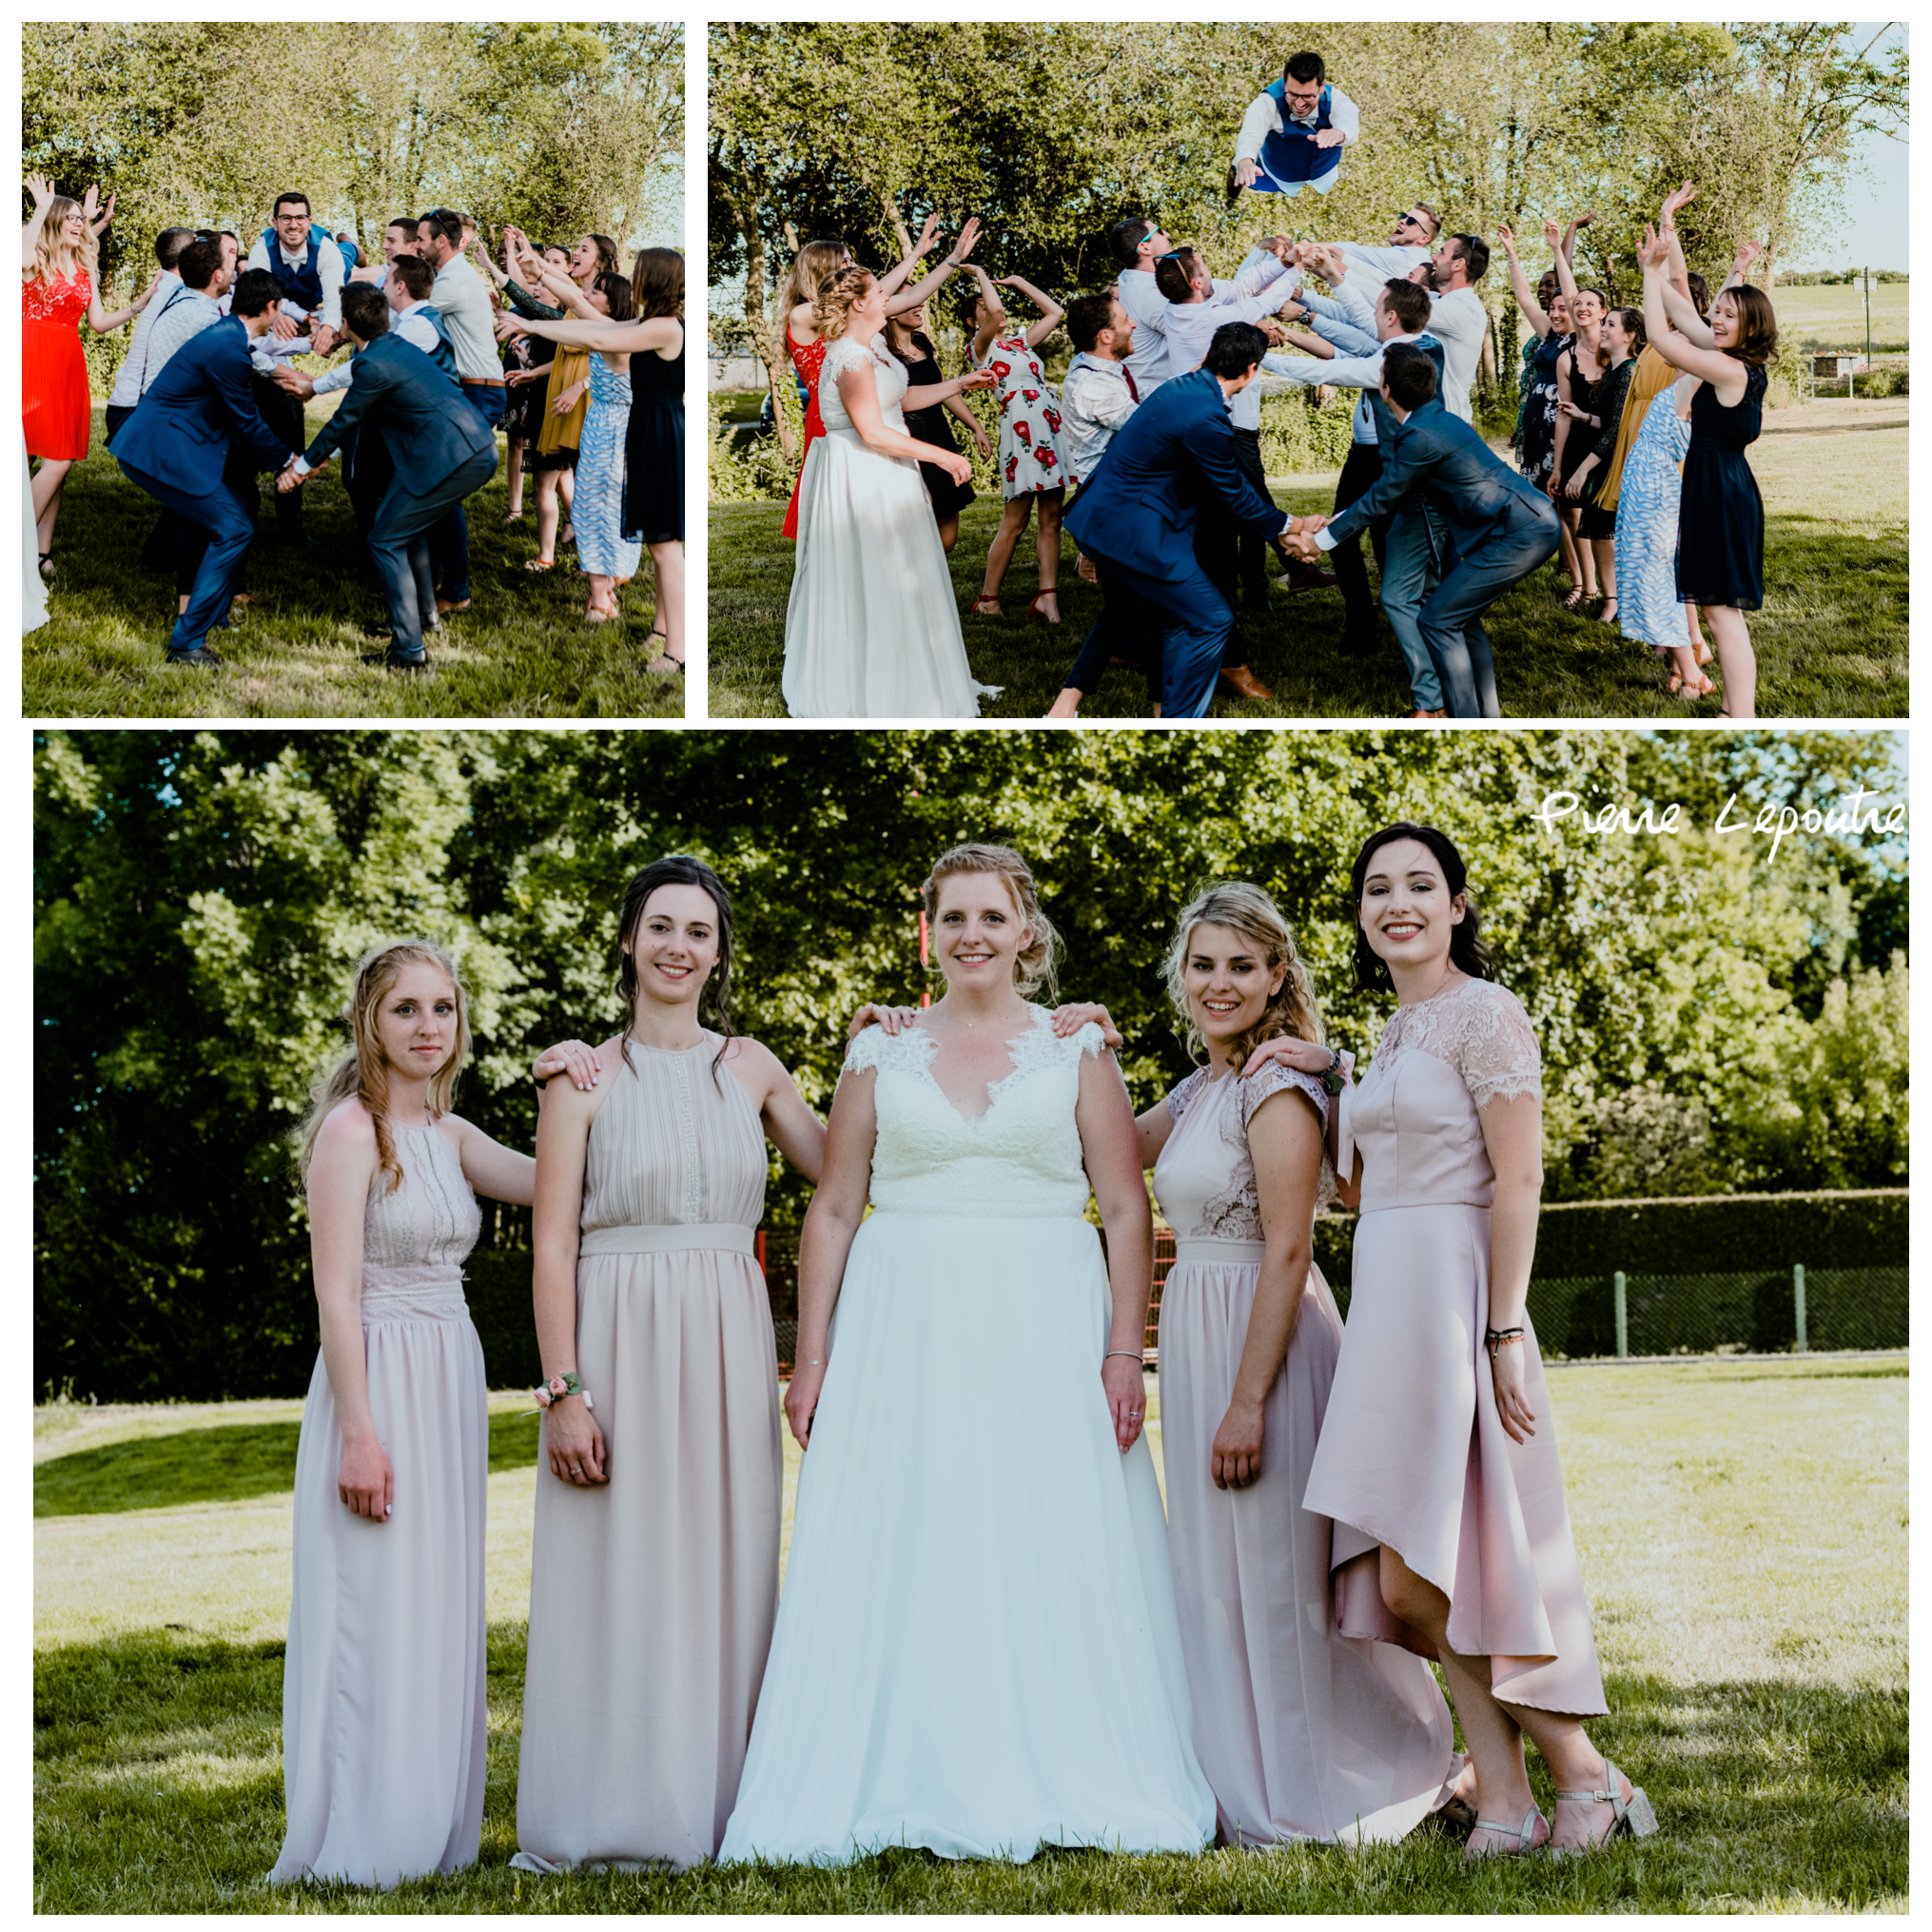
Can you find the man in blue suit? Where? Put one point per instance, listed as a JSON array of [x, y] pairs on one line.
[[196, 413], [442, 447], [1502, 528], [1136, 517]]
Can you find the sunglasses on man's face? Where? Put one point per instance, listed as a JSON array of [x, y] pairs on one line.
[[1408, 220]]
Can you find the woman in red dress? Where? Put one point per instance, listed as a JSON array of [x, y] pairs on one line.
[[817, 262], [58, 252]]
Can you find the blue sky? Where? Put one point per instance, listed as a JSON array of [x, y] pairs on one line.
[[1876, 232]]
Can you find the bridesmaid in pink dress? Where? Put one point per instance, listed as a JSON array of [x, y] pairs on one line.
[[1437, 1457], [1303, 1731]]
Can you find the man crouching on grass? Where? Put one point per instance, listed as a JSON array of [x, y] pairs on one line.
[[443, 448]]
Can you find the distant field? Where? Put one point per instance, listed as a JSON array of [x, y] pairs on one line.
[[1833, 318]]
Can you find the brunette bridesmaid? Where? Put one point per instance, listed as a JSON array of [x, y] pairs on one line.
[[1437, 1458], [382, 1717], [655, 1553]]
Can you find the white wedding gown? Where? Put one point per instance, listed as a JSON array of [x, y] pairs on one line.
[[977, 1647], [872, 629]]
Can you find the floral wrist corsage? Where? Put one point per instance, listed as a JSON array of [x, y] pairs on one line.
[[559, 1386]]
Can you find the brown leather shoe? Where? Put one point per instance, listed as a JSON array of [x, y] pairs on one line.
[[1304, 577], [1243, 683], [444, 606]]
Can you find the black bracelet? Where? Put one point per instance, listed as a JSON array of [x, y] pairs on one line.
[[1500, 1334]]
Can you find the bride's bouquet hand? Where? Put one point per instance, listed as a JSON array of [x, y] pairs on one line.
[[1126, 1387], [891, 1018], [1068, 1020], [801, 1399]]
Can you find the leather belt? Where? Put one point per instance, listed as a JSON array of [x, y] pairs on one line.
[[481, 382]]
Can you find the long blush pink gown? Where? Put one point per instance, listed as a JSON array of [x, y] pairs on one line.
[[1412, 1453], [1303, 1731]]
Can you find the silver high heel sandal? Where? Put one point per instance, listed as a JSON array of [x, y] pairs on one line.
[[1525, 1835], [1635, 1816]]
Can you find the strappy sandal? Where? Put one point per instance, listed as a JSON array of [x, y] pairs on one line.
[[539, 563], [1633, 1817], [986, 607], [46, 565], [1575, 600], [1689, 693], [1033, 609], [665, 665], [1525, 1835]]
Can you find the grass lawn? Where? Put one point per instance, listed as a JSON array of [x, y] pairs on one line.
[[1830, 640], [1832, 316], [522, 650], [1743, 1531]]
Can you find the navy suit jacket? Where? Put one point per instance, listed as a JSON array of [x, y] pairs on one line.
[[1139, 507], [432, 428], [181, 430], [1441, 459]]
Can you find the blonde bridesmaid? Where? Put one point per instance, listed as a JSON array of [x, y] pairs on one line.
[[382, 1717], [1303, 1732], [656, 1554]]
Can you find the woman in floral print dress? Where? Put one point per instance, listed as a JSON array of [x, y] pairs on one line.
[[1029, 435]]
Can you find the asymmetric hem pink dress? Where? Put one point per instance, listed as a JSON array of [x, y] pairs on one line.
[[1303, 1731], [1412, 1453]]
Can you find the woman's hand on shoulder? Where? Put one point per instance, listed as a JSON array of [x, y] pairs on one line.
[[894, 1020], [1070, 1018], [573, 1057], [1285, 1049]]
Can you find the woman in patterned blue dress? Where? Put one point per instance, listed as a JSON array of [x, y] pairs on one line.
[[598, 512], [1647, 608]]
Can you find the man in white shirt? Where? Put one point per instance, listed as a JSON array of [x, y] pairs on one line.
[[1410, 238], [128, 382], [470, 317], [310, 268], [1138, 242], [1294, 131], [398, 238]]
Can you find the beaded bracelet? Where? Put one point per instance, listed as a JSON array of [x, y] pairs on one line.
[[558, 1387]]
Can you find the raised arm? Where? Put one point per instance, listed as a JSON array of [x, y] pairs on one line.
[[104, 322], [993, 312], [1051, 314], [927, 286], [1534, 312], [831, 1222], [340, 1173], [1566, 279], [894, 278], [569, 295], [1725, 373], [930, 394], [42, 191], [1110, 1149], [1678, 275]]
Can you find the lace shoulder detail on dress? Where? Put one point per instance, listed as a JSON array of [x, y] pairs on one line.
[[1482, 1031], [841, 354], [1185, 1095], [875, 1048], [1274, 1078]]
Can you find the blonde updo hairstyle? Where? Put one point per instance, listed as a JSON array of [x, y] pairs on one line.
[[832, 310], [816, 262], [1033, 970], [363, 1072], [1248, 911]]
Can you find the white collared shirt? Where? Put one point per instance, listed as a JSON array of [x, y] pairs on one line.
[[470, 317], [1094, 401], [1265, 117], [328, 267], [1260, 289], [411, 323]]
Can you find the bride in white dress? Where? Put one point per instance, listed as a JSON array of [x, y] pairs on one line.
[[872, 629], [977, 1647]]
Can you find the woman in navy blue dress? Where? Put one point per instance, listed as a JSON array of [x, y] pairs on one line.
[[1721, 520]]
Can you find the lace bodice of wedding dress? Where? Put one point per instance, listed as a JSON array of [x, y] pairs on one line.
[[887, 370], [1022, 1156]]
